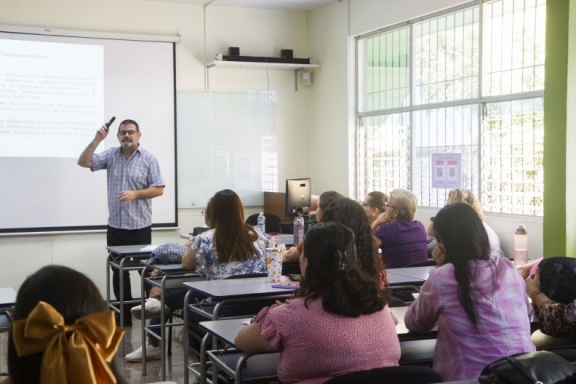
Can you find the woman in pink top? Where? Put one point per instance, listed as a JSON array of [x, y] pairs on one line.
[[475, 297], [338, 321]]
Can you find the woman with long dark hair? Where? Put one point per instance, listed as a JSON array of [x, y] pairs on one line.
[[474, 296], [335, 295], [351, 214], [230, 247], [468, 197], [233, 247]]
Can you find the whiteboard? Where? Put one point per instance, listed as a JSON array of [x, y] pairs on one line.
[[226, 140]]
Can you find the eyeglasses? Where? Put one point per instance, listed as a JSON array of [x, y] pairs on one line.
[[387, 204], [129, 133]]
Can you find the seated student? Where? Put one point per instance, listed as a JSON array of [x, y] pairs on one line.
[[473, 297], [350, 213], [554, 319], [324, 201], [232, 247], [169, 253], [62, 331], [374, 204], [338, 321], [402, 239], [466, 196]]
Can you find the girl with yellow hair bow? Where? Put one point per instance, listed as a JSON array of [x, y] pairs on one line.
[[62, 331]]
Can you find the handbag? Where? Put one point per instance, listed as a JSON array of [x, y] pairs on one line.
[[558, 278], [540, 367]]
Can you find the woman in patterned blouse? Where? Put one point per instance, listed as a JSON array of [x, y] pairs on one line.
[[555, 319], [233, 247], [230, 247]]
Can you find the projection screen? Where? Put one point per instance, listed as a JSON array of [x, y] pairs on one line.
[[56, 89]]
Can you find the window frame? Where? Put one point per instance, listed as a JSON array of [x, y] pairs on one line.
[[480, 102]]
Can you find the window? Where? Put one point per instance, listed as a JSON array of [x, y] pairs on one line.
[[469, 81]]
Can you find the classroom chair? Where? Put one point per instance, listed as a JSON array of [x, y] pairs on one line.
[[272, 221], [242, 308], [391, 375], [563, 347]]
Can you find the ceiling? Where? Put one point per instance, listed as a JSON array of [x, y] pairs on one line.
[[288, 5]]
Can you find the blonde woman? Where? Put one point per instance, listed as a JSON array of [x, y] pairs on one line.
[[402, 239], [466, 196]]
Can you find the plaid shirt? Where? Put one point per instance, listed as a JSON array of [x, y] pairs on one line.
[[139, 172]]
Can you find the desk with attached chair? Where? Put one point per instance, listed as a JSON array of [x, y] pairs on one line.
[[261, 367], [172, 277], [128, 259], [229, 298]]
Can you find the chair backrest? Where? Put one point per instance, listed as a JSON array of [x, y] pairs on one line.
[[198, 230], [400, 374], [272, 221]]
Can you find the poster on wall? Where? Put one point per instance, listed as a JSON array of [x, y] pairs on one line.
[[446, 170]]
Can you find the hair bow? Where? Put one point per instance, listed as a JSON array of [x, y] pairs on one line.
[[77, 353]]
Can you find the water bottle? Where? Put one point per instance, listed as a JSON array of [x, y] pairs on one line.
[[298, 230], [261, 222], [520, 246]]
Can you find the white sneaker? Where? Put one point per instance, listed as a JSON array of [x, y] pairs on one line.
[[152, 308], [152, 353]]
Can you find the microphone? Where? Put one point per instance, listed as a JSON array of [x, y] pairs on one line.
[[110, 122]]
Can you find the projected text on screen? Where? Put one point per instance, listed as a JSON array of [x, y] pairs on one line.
[[51, 97]]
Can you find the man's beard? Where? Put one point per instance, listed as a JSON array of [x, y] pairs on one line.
[[127, 144]]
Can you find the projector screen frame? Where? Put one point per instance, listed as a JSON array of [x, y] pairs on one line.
[[172, 218]]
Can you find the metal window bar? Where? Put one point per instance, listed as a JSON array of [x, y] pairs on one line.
[[453, 56]]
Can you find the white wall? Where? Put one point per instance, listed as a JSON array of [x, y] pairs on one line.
[[256, 32], [331, 129]]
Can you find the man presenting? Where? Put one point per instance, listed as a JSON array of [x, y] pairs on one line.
[[134, 178]]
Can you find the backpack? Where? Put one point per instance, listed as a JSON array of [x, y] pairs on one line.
[[558, 278]]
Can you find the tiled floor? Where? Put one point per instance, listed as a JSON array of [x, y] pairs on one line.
[[132, 372], [174, 365]]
